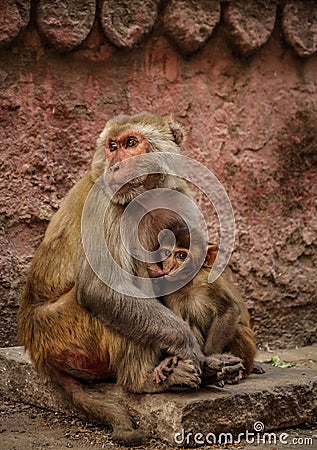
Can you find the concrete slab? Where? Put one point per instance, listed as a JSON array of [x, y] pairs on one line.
[[277, 399]]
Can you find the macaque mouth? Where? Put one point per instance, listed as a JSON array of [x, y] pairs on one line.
[[179, 274], [156, 271], [158, 275], [120, 186]]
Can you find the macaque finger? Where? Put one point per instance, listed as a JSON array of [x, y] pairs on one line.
[[232, 374], [236, 379], [229, 360], [164, 369]]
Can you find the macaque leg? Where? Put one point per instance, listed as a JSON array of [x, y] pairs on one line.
[[221, 332], [69, 339], [243, 346], [227, 336], [71, 346], [137, 371]]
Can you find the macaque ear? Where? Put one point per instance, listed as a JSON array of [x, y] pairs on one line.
[[211, 255], [177, 130]]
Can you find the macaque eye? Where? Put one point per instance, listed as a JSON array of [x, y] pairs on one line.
[[131, 142], [113, 146], [166, 253], [181, 255]]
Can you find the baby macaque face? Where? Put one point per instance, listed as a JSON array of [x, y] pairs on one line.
[[172, 259]]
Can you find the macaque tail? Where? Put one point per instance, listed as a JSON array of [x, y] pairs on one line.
[[103, 409]]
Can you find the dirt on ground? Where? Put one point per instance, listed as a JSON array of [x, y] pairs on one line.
[[24, 427]]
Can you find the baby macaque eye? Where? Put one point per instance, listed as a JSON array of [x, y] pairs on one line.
[[181, 255], [113, 146], [131, 141], [165, 253]]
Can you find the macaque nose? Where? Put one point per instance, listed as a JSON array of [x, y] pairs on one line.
[[114, 168]]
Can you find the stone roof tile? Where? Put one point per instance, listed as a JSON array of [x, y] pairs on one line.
[[65, 24], [189, 24], [14, 17], [299, 22], [249, 24], [125, 23]]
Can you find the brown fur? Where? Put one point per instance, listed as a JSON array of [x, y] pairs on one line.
[[217, 316], [77, 328], [214, 311], [74, 326]]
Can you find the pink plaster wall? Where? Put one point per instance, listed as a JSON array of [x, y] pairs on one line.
[[252, 121]]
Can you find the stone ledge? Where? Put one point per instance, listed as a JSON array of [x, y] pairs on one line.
[[279, 398]]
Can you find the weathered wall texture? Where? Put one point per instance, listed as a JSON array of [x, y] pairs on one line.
[[241, 77]]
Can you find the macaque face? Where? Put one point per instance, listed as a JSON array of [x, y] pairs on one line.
[[118, 148], [173, 259], [125, 137]]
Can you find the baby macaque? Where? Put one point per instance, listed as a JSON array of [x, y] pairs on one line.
[[214, 311]]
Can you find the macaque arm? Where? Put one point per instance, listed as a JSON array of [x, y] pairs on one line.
[[143, 320]]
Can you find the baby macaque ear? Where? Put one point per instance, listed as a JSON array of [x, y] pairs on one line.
[[211, 255], [177, 130]]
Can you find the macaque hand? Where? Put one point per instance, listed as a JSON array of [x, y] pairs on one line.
[[222, 369]]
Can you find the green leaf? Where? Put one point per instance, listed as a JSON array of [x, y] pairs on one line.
[[277, 362]]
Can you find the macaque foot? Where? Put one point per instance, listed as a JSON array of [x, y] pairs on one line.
[[174, 371], [170, 372], [184, 374], [165, 368], [223, 369]]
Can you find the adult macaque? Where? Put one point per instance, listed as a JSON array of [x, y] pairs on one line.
[[76, 327], [214, 311]]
